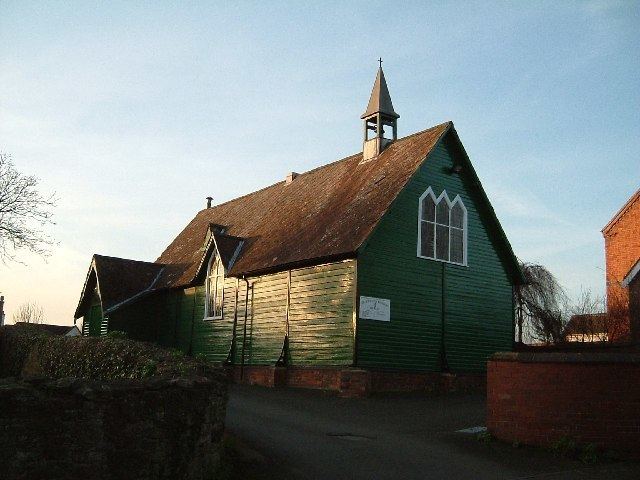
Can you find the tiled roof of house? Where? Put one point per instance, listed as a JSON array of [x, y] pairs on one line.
[[588, 323], [323, 213], [49, 328], [119, 280]]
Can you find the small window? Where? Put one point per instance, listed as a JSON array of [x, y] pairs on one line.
[[442, 228], [215, 288]]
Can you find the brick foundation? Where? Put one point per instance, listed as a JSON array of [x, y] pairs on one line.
[[591, 397], [356, 382]]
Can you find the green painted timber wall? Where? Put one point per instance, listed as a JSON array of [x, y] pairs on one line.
[[476, 299], [321, 314], [93, 324], [314, 306]]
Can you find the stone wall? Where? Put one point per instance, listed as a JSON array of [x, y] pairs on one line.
[[157, 427], [539, 398]]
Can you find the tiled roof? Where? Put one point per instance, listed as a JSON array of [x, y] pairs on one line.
[[49, 328], [590, 323], [119, 280], [324, 213]]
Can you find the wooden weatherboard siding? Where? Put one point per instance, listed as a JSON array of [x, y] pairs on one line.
[[477, 299], [314, 305], [93, 322], [321, 314]]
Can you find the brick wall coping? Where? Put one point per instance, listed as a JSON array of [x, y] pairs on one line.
[[567, 357]]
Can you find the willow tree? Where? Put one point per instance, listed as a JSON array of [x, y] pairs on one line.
[[541, 304]]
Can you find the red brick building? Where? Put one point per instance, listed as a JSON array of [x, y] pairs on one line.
[[632, 283], [622, 251]]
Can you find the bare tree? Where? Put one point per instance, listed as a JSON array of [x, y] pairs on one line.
[[540, 304], [618, 315], [594, 320], [23, 213], [588, 320], [29, 312]]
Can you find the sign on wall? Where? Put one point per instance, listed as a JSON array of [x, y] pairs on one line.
[[372, 308]]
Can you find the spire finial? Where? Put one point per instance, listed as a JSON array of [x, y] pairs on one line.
[[378, 115]]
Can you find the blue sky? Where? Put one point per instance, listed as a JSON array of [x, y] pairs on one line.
[[134, 112]]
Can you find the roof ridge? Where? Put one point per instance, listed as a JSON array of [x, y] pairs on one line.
[[328, 222], [320, 167], [126, 259]]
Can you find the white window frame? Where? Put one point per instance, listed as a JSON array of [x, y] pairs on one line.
[[443, 197], [213, 276]]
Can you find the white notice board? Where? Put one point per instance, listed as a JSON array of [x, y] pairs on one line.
[[372, 308]]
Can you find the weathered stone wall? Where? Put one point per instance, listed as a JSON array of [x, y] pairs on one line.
[[156, 427]]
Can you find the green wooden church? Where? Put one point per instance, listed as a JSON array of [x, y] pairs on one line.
[[389, 260]]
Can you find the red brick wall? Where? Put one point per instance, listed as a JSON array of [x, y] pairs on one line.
[[355, 382], [386, 381], [267, 376], [541, 401], [622, 250], [323, 378], [634, 310], [327, 378]]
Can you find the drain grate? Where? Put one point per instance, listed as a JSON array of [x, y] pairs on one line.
[[473, 430], [350, 436]]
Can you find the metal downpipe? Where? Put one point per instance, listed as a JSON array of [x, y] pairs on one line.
[[244, 333]]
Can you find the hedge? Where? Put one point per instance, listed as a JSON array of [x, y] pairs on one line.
[[27, 351]]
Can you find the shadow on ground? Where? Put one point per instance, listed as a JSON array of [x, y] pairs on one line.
[[297, 434]]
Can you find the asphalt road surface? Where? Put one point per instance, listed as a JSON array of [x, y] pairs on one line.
[[314, 435]]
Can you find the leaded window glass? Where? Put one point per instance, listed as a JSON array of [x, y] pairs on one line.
[[442, 228], [215, 289]]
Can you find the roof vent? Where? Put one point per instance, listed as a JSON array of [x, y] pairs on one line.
[[290, 177], [209, 199]]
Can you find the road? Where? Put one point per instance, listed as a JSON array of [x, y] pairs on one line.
[[315, 435]]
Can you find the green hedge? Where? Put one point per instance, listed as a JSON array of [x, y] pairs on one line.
[[15, 344], [26, 351]]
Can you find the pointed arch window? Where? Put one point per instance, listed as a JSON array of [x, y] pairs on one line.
[[442, 228], [214, 288]]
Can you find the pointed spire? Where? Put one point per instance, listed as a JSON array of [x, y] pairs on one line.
[[380, 100]]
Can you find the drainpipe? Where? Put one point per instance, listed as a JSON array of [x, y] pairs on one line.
[[2, 311], [232, 350], [174, 340], [356, 314], [282, 359], [244, 334], [193, 321], [444, 366], [518, 311]]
